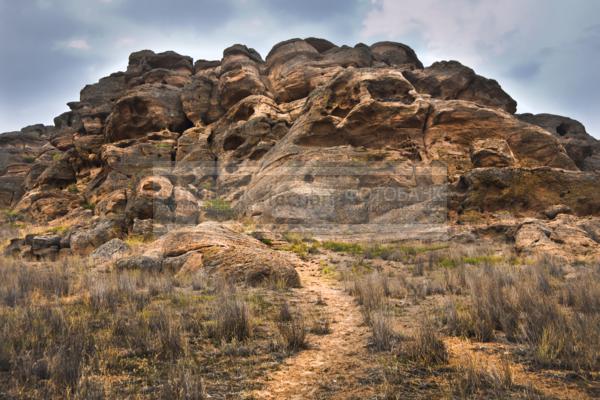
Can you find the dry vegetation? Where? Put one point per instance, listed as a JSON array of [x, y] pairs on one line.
[[540, 316], [461, 322], [69, 332]]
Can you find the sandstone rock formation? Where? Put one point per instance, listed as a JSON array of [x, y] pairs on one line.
[[173, 142]]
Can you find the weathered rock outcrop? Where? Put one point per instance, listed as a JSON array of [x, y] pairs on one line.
[[583, 149], [450, 80], [313, 134], [220, 251], [530, 191], [565, 236], [146, 108]]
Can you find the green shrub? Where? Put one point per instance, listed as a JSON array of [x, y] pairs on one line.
[[218, 209], [341, 247]]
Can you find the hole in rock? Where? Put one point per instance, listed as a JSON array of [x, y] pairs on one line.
[[243, 113], [258, 153], [153, 186], [562, 129], [233, 142]]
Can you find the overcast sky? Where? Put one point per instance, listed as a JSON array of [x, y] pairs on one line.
[[545, 53]]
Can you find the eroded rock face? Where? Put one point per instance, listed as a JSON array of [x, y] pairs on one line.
[[530, 190], [144, 109], [456, 126], [170, 141], [583, 149], [18, 154], [450, 80]]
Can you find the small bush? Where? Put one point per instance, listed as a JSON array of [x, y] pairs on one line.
[[12, 216], [88, 206], [426, 348], [232, 319], [293, 333], [321, 326], [67, 362], [301, 245], [89, 388], [383, 334], [370, 292], [183, 383], [167, 327], [285, 314], [341, 247], [72, 189], [474, 379]]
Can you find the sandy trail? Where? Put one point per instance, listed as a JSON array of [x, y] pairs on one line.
[[333, 362]]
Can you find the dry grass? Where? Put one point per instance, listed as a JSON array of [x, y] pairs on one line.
[[371, 292], [68, 332], [426, 347], [475, 379], [232, 316], [321, 326], [182, 383], [543, 313], [557, 318], [293, 333], [383, 335]]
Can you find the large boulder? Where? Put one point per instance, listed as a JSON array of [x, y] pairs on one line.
[[144, 109], [47, 204], [143, 61], [134, 156], [450, 80], [86, 239], [580, 146], [88, 115], [200, 99], [153, 198], [240, 75], [565, 236], [395, 54], [222, 252], [111, 250], [295, 67]]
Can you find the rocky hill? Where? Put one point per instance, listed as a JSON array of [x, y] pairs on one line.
[[171, 142], [327, 223]]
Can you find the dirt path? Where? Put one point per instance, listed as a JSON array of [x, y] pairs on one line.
[[334, 363]]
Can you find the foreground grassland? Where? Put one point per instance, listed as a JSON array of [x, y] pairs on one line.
[[69, 332], [443, 321]]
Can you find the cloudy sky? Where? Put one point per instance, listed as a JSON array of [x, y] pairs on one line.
[[545, 53]]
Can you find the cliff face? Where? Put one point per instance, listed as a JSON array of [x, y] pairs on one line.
[[172, 140]]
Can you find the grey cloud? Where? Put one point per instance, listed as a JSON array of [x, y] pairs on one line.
[[315, 10], [199, 14], [525, 71], [549, 63]]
